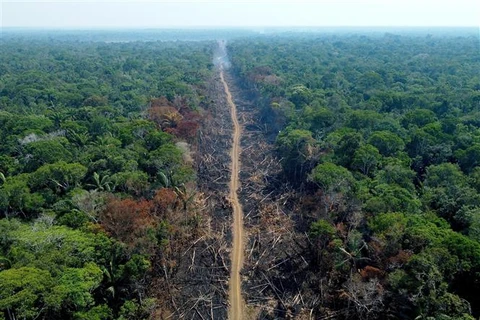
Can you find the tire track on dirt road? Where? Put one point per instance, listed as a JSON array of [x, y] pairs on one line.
[[236, 310]]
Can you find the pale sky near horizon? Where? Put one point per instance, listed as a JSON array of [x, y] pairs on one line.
[[216, 13]]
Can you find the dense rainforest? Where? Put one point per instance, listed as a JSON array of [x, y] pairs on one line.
[[96, 176], [359, 173], [380, 137]]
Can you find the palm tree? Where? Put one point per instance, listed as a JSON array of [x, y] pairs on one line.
[[80, 139], [185, 196], [164, 180], [104, 183], [104, 141], [170, 120]]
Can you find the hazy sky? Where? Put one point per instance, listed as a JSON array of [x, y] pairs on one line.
[[159, 13]]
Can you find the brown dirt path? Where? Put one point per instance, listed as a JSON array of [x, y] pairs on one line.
[[235, 287]]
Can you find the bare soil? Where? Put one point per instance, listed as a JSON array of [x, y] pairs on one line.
[[235, 284]]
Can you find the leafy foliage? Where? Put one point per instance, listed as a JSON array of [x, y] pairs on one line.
[[84, 148], [382, 131]]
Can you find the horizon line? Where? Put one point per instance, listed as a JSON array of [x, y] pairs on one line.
[[232, 27]]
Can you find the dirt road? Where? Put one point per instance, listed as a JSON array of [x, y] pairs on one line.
[[235, 286]]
